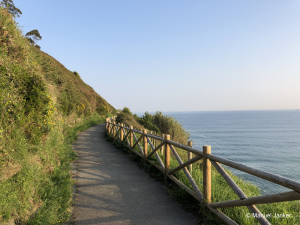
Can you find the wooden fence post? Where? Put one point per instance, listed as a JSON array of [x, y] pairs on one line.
[[131, 136], [108, 127], [162, 147], [114, 130], [121, 130], [190, 156], [167, 156], [154, 139], [206, 174], [145, 145], [117, 130]]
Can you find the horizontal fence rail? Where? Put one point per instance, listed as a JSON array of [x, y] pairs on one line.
[[165, 146]]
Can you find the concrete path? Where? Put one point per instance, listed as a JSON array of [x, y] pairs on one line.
[[112, 189]]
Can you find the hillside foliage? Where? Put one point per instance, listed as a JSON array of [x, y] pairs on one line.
[[41, 105]]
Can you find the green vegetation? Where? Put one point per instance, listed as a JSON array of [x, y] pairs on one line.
[[11, 8], [220, 189], [42, 107], [162, 124], [34, 36], [168, 125], [126, 117]]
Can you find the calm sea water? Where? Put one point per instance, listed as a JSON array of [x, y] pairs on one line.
[[266, 140]]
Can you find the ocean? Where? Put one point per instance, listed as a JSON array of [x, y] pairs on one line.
[[267, 140]]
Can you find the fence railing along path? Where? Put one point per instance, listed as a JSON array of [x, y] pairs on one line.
[[166, 145]]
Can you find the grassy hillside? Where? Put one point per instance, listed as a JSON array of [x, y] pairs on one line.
[[42, 107]]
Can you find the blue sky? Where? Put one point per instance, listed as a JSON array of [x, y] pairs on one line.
[[176, 55]]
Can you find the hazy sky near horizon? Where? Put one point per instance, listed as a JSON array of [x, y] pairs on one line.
[[170, 55]]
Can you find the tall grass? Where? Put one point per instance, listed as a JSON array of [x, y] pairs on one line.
[[222, 192], [40, 191]]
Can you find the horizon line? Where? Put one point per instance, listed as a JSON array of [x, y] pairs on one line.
[[220, 110]]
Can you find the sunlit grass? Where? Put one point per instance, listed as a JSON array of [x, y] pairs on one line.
[[40, 192]]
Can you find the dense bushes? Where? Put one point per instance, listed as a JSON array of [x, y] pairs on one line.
[[146, 121], [128, 119], [169, 125], [162, 124], [127, 111]]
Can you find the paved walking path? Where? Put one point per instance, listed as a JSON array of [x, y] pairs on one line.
[[112, 189]]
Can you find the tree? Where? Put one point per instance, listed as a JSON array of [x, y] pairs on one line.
[[10, 6], [126, 110], [147, 122], [33, 36]]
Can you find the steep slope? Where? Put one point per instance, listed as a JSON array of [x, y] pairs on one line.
[[73, 92], [42, 106]]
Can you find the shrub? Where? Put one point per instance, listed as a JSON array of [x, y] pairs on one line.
[[127, 111], [169, 125], [128, 120], [147, 122], [77, 74], [103, 110]]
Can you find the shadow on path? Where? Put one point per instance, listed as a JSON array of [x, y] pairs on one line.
[[112, 189]]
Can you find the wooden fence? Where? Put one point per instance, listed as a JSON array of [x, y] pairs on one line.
[[165, 144]]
